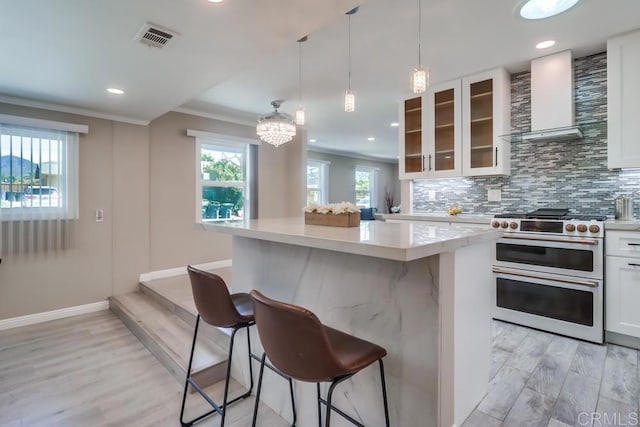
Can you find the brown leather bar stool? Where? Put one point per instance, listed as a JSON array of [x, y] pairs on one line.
[[218, 308], [301, 347]]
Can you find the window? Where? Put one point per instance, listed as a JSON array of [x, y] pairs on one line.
[[38, 173], [366, 186], [317, 181], [223, 190]]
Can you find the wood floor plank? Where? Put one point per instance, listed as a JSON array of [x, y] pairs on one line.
[[503, 392], [107, 378], [579, 395], [530, 351], [549, 375], [511, 337], [480, 419], [611, 412], [531, 409], [620, 377], [589, 360]]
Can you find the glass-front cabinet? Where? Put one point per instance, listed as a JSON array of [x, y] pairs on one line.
[[486, 105], [443, 130], [456, 129], [411, 145]]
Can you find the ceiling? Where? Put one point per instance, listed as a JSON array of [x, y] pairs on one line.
[[230, 60]]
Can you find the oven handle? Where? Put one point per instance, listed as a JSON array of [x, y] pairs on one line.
[[589, 283], [550, 239]]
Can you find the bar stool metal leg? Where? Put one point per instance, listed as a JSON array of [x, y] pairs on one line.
[[319, 405], [255, 407], [221, 409], [384, 393]]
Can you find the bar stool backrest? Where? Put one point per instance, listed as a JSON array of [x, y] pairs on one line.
[[294, 339], [212, 299]]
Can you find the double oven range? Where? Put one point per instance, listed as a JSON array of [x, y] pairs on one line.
[[548, 272]]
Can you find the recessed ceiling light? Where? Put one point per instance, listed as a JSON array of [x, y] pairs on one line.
[[371, 138], [545, 44], [313, 140], [115, 91], [216, 1], [395, 124], [540, 9]]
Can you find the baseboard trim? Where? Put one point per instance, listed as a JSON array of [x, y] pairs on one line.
[[179, 271], [32, 319]]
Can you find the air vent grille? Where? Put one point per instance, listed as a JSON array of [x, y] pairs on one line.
[[154, 35]]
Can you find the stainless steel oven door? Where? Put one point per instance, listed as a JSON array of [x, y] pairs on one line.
[[560, 304], [572, 256]]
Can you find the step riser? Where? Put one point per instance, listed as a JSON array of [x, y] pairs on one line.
[[204, 377], [219, 336]]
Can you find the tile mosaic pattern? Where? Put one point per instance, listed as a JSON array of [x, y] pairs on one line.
[[570, 174]]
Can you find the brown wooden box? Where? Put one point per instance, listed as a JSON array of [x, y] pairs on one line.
[[340, 220]]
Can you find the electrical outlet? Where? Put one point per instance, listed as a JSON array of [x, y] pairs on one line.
[[494, 195], [99, 215], [432, 195]]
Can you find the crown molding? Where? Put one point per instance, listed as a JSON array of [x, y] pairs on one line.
[[222, 117], [71, 110]]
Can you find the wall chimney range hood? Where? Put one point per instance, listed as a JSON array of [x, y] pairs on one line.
[[552, 100]]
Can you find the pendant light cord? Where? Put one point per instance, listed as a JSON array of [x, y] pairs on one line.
[[349, 52], [419, 33], [300, 73]]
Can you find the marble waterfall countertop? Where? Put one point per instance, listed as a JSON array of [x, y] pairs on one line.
[[618, 224], [395, 241], [438, 217]]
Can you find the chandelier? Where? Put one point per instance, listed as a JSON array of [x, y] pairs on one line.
[[276, 128]]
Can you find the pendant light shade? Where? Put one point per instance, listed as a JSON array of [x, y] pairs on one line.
[[420, 75], [350, 95], [276, 128], [300, 115]]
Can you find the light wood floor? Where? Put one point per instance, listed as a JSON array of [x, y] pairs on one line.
[[91, 370], [541, 379]]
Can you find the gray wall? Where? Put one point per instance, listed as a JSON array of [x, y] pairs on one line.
[[570, 174], [143, 177], [342, 177]]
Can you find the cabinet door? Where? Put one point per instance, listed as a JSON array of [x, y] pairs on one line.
[[411, 149], [623, 102], [444, 130], [623, 296], [486, 113]]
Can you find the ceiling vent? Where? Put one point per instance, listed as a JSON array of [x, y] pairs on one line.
[[154, 35]]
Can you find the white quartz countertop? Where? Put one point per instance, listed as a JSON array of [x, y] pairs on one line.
[[440, 217], [397, 241], [616, 224]]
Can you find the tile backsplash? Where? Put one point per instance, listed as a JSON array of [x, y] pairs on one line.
[[571, 174]]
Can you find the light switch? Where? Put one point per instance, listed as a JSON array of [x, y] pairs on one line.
[[494, 195], [432, 195]]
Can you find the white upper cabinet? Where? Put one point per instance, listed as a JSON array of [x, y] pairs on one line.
[[443, 130], [623, 103], [411, 152], [486, 116], [456, 128]]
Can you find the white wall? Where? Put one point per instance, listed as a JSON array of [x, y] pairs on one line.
[[342, 177]]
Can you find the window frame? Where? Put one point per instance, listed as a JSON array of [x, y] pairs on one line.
[[373, 182], [69, 162], [236, 144], [323, 179]]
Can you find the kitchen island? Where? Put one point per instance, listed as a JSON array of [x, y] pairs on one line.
[[422, 291]]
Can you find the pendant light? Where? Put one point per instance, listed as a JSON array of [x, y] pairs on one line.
[[419, 75], [300, 111], [349, 95], [276, 128]]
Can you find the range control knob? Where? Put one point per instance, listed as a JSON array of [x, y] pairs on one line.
[[582, 228], [495, 224], [570, 227], [513, 225], [594, 228], [504, 224]]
